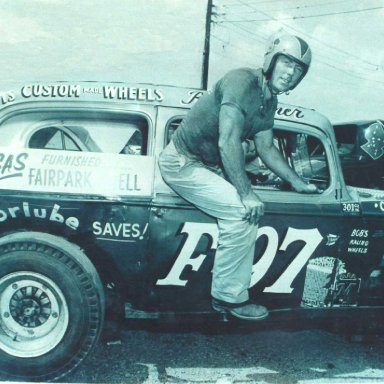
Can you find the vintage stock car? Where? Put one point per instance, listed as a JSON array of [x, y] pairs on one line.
[[362, 162], [85, 214]]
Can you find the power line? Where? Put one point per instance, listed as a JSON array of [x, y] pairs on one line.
[[354, 84], [301, 17], [241, 32], [238, 3], [218, 53], [242, 3], [219, 39], [256, 37], [337, 49], [296, 7], [350, 73], [249, 35], [245, 32], [244, 63]]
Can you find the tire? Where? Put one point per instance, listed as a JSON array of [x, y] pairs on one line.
[[51, 306]]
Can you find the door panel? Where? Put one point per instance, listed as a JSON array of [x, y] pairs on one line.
[[301, 245]]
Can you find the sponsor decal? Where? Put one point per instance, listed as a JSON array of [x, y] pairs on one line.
[[379, 205], [93, 90], [350, 207], [186, 257], [31, 91], [12, 165], [74, 172], [7, 97], [25, 210], [129, 182], [317, 281], [358, 242], [360, 233], [129, 232], [288, 112], [344, 291], [332, 239], [375, 140], [58, 90], [329, 284], [59, 178], [192, 97], [131, 93]]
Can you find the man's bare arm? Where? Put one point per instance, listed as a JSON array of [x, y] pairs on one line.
[[231, 122], [232, 156], [274, 160]]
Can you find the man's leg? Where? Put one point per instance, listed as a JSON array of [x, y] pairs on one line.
[[216, 197], [233, 260]]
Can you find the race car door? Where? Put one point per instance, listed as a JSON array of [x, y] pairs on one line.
[[295, 229], [302, 246]]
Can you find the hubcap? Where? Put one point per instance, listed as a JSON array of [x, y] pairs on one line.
[[33, 314], [30, 307]]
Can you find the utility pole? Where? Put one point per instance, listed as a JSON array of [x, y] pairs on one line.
[[207, 40]]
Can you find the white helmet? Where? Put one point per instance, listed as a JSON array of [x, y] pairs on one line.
[[289, 45]]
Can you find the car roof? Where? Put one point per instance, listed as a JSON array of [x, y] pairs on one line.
[[134, 93]]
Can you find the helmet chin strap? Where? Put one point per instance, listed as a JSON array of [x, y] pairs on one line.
[[267, 82], [272, 91]]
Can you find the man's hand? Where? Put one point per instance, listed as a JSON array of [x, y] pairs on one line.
[[303, 187], [254, 208]]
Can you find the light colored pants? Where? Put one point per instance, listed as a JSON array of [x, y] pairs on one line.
[[207, 190]]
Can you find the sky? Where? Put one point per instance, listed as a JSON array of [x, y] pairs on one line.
[[161, 41]]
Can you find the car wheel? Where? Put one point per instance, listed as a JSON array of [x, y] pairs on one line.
[[51, 306]]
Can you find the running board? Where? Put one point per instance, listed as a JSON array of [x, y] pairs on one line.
[[285, 314], [133, 313]]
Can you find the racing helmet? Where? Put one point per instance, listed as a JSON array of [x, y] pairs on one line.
[[289, 45]]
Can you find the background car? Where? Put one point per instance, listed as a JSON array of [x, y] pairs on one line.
[[361, 149]]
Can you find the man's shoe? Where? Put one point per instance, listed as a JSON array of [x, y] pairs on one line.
[[245, 311]]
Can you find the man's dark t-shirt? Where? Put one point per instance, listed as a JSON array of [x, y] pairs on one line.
[[198, 134]]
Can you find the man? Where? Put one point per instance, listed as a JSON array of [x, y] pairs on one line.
[[204, 163]]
